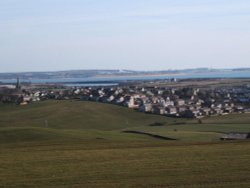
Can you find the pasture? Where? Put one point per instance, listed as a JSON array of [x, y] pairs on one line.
[[82, 144]]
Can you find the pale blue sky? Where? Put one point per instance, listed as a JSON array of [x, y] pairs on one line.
[[42, 35]]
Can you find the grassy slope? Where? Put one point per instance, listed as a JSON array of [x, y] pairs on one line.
[[75, 115], [211, 129], [71, 120], [83, 146], [126, 165], [66, 119]]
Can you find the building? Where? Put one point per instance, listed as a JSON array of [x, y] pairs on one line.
[[18, 86], [236, 136]]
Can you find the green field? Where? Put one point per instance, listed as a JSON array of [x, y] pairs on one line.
[[82, 144]]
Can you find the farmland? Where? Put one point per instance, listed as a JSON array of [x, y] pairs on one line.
[[83, 144]]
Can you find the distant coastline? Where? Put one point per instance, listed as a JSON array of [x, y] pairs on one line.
[[113, 76], [139, 75]]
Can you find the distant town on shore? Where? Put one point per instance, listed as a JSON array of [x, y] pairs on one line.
[[175, 98]]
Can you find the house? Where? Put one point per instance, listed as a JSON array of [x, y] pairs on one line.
[[179, 102], [217, 111], [145, 108], [206, 111], [190, 113], [131, 103], [160, 92], [236, 136], [111, 98], [120, 100], [228, 109], [158, 110], [181, 109], [168, 102], [239, 108], [170, 110], [27, 99]]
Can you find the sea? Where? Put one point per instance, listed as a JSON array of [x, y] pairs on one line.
[[111, 81]]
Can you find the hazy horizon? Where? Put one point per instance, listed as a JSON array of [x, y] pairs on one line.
[[59, 35], [68, 70]]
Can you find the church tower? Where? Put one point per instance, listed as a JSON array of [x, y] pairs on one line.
[[18, 86]]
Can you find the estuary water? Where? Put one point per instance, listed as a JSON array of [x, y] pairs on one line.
[[114, 80]]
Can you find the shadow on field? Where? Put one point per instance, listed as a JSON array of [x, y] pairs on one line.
[[149, 134]]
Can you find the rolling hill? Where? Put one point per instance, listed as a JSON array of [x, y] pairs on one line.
[[67, 119], [82, 144]]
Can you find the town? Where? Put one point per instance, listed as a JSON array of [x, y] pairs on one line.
[[187, 102]]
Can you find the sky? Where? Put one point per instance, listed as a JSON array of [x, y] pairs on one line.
[[49, 35]]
